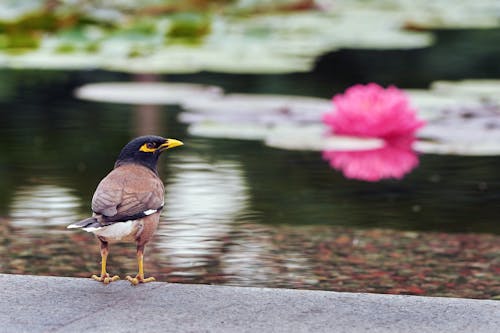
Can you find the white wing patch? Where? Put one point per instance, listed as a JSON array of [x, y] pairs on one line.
[[150, 211], [74, 226], [90, 229]]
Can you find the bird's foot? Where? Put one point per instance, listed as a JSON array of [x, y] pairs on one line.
[[105, 278], [139, 279]]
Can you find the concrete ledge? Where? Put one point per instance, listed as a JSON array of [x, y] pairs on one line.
[[57, 304]]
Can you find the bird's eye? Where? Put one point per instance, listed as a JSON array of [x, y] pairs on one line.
[[150, 145]]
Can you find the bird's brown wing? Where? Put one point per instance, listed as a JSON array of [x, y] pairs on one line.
[[127, 193]]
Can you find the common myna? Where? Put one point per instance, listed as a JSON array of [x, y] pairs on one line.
[[127, 202]]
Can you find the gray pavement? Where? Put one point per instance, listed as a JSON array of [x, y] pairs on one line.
[[58, 304]]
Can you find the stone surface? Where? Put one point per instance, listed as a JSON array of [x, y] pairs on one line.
[[58, 304]]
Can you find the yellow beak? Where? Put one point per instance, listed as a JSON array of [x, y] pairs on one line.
[[170, 143]]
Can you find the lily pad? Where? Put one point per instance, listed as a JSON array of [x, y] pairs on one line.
[[258, 104], [250, 117], [485, 90], [228, 131], [463, 131], [458, 148], [432, 105], [315, 138], [47, 60], [145, 93], [12, 10], [451, 14], [224, 58], [376, 28]]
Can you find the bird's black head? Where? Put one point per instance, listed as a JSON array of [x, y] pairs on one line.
[[145, 150]]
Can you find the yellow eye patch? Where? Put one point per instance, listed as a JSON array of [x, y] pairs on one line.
[[147, 149]]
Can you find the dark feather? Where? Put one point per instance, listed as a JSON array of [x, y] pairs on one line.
[[89, 222]]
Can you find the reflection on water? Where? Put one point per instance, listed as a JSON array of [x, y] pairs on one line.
[[394, 160], [202, 202], [148, 119], [43, 206], [254, 258]]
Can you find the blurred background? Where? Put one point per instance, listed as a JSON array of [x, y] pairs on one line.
[[244, 84]]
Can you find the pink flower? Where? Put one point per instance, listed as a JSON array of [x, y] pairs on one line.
[[372, 111], [394, 160]]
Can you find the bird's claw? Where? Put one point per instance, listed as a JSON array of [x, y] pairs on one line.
[[106, 279], [139, 279]]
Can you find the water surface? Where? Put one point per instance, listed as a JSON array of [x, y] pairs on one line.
[[236, 212]]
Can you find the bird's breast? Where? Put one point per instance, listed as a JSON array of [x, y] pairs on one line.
[[121, 231]]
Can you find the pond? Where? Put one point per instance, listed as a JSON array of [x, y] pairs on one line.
[[238, 212]]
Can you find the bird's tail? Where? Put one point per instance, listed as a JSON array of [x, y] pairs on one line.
[[87, 223]]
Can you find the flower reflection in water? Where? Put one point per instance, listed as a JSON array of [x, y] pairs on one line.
[[394, 160]]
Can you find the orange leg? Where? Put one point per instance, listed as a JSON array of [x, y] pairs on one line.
[[105, 277], [139, 278]]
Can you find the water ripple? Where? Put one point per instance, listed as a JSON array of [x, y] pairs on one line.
[[43, 205], [209, 197]]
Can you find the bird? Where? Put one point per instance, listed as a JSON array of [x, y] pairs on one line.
[[128, 201]]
